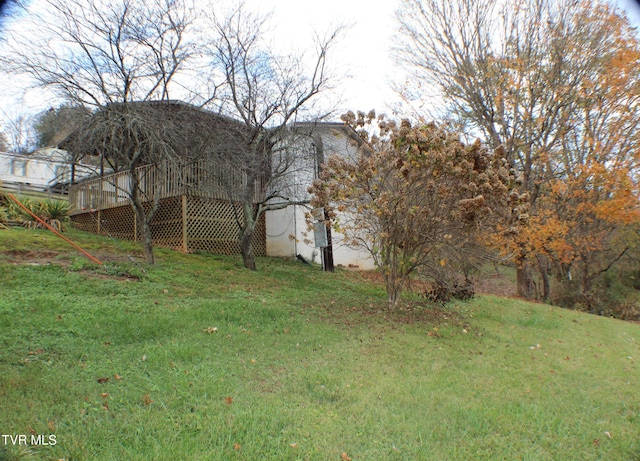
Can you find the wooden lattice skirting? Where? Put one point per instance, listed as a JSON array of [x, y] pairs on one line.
[[183, 223]]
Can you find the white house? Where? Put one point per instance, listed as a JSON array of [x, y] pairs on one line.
[[287, 233], [40, 171], [47, 169]]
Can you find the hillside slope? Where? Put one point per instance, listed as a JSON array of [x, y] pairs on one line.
[[197, 358]]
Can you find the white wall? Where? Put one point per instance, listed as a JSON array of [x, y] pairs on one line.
[[33, 169], [286, 229]]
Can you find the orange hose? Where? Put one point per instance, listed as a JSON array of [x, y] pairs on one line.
[[54, 231]]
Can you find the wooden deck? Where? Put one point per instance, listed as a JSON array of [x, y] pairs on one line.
[[198, 178], [195, 212]]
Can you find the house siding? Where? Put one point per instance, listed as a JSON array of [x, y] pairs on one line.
[[286, 229]]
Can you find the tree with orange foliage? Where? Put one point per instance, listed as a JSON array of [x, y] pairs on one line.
[[556, 84]]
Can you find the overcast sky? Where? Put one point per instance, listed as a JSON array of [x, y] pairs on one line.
[[362, 56]]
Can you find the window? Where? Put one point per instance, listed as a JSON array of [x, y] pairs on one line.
[[19, 167]]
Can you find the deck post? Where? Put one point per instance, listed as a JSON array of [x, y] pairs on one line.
[[185, 239]]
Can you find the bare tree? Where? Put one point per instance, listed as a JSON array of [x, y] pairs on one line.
[[268, 94], [18, 132], [110, 57]]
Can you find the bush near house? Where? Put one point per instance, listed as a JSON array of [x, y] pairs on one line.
[[53, 212]]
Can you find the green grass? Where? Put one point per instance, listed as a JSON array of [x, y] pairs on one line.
[[209, 361]]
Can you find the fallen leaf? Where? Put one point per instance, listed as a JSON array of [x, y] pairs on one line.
[[237, 446], [228, 400], [103, 380], [210, 330], [105, 406], [147, 400], [104, 395], [144, 358], [344, 456], [608, 434], [294, 445], [117, 377]]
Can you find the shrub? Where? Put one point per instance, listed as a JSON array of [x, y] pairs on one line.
[[4, 217], [611, 296], [55, 213], [52, 212]]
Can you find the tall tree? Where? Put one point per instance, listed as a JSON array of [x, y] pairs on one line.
[[108, 56], [518, 73], [53, 125], [590, 203], [268, 93]]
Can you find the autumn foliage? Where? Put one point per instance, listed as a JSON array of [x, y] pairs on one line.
[[555, 83], [416, 197]]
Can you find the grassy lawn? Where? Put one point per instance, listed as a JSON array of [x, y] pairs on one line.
[[198, 359]]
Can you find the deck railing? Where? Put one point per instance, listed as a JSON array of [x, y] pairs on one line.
[[202, 178]]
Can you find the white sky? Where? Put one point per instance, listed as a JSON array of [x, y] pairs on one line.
[[362, 54], [361, 57]]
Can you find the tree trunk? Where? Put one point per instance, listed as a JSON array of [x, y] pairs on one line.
[[143, 218], [246, 235], [546, 287], [393, 279], [246, 248], [394, 290], [145, 233], [525, 283], [147, 243]]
